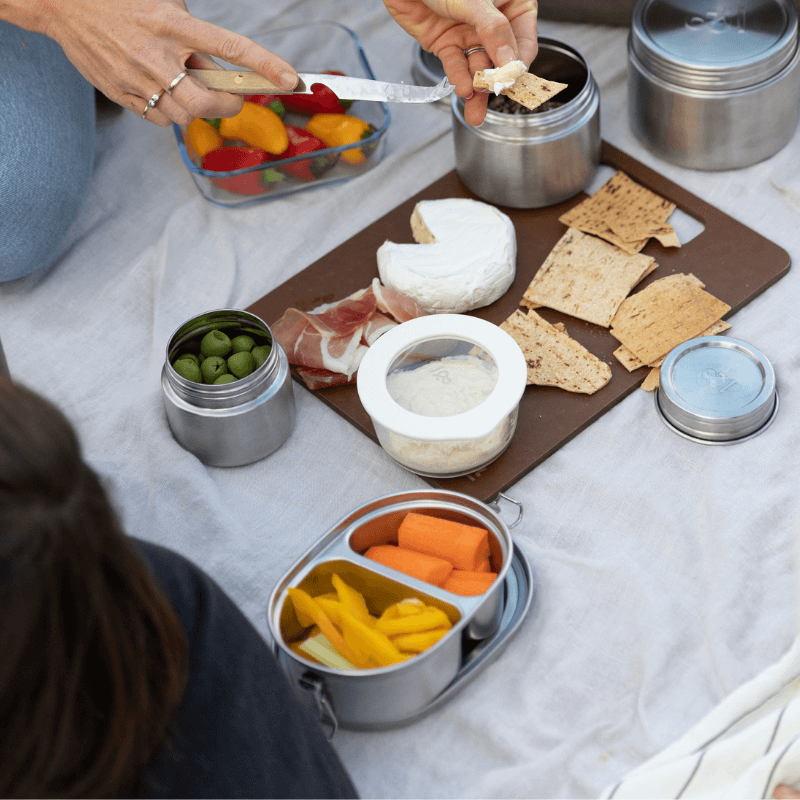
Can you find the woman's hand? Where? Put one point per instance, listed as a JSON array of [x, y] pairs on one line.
[[784, 792], [446, 28], [133, 49]]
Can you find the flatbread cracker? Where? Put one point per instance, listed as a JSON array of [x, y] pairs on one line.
[[624, 213], [555, 358], [653, 380], [663, 315], [631, 362], [528, 90], [587, 278]]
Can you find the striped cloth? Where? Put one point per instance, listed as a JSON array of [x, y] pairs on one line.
[[744, 748]]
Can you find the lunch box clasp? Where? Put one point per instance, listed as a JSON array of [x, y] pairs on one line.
[[310, 682], [495, 506]]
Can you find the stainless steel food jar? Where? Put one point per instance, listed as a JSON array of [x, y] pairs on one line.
[[387, 696], [538, 159], [714, 85], [234, 423]]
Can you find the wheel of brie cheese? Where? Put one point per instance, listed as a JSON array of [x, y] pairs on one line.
[[466, 256]]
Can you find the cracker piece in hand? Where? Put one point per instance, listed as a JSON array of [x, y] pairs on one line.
[[624, 213], [528, 90], [554, 358], [586, 277], [663, 315]]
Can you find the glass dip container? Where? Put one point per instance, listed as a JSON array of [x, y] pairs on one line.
[[443, 393]]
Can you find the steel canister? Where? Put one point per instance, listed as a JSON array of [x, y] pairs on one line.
[[714, 85], [717, 390], [538, 159], [234, 423], [387, 696]]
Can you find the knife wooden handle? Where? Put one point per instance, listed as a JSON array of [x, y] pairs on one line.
[[236, 82]]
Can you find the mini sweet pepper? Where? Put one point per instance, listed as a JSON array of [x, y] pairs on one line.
[[257, 126], [339, 129], [300, 143], [230, 158], [322, 100], [203, 137]]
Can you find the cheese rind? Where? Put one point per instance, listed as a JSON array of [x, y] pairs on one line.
[[468, 259]]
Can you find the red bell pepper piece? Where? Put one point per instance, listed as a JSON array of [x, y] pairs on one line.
[[269, 101], [322, 100], [300, 143], [230, 158]]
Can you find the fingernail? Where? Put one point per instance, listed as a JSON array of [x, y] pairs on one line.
[[505, 55], [288, 80]]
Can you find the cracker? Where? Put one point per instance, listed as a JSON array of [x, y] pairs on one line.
[[586, 277], [528, 90], [554, 358], [624, 213], [631, 362], [664, 314], [652, 381]]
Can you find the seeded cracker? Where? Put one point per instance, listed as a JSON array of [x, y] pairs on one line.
[[528, 90], [555, 358], [663, 315], [624, 213], [587, 278]]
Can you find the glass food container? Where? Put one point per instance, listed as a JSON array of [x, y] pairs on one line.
[[315, 47], [443, 393]]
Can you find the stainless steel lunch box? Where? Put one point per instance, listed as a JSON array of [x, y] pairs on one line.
[[717, 390], [714, 85], [236, 423], [539, 159], [387, 696]]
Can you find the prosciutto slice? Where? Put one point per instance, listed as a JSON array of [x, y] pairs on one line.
[[328, 343]]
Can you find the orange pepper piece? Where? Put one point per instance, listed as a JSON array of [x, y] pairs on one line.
[[257, 126], [203, 137], [338, 129]]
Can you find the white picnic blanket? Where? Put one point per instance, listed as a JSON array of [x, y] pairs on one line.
[[666, 571]]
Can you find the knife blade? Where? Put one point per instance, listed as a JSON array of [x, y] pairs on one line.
[[345, 88]]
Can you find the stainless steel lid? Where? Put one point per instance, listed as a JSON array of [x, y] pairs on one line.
[[717, 390], [714, 44]]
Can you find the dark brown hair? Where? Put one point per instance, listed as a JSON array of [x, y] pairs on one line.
[[92, 657]]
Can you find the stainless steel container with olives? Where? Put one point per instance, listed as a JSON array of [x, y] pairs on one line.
[[538, 159], [234, 423]]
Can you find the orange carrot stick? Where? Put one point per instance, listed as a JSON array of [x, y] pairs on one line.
[[418, 565], [464, 546], [469, 583]]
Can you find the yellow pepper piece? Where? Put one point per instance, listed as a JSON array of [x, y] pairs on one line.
[[257, 126], [333, 608], [352, 600], [417, 642], [338, 129], [369, 642], [404, 608], [307, 608], [203, 137], [429, 619]]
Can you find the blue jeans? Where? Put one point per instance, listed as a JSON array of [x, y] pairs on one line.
[[47, 148]]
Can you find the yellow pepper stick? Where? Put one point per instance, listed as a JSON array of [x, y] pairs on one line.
[[404, 608], [417, 642], [428, 620], [203, 137], [338, 129], [352, 600], [257, 126], [376, 645], [305, 605]]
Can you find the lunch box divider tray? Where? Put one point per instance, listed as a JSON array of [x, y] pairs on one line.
[[734, 262]]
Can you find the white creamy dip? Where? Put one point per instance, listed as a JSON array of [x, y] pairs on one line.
[[443, 387], [505, 77]]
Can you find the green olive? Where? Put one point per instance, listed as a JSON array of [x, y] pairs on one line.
[[212, 368], [215, 343], [241, 364]]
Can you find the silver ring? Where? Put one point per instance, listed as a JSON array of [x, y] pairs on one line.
[[477, 49], [151, 103], [176, 81]]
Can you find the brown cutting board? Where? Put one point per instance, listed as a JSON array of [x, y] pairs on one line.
[[734, 262]]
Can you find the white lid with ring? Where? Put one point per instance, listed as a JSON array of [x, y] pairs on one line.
[[382, 356]]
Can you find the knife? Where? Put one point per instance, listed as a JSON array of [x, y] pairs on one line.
[[345, 88]]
